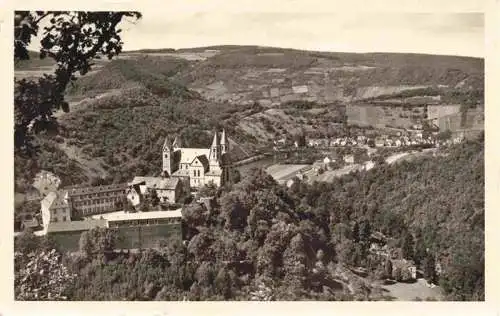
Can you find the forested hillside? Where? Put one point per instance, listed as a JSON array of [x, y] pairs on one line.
[[265, 241], [122, 110], [118, 122]]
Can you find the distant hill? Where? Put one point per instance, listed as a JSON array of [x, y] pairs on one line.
[[273, 75], [122, 109]]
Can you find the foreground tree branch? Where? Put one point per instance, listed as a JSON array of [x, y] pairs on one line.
[[72, 40]]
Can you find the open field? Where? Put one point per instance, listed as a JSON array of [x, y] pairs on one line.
[[382, 116], [411, 291], [329, 175], [283, 172]]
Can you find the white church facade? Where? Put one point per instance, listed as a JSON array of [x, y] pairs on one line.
[[198, 166]]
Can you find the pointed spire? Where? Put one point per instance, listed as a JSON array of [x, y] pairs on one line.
[[214, 149], [167, 144], [223, 140], [177, 143], [215, 142]]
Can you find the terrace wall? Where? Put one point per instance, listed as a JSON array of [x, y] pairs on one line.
[[129, 237]]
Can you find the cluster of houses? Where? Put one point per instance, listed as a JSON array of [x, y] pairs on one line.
[[407, 267], [406, 138]]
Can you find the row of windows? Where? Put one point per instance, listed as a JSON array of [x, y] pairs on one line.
[[63, 210], [96, 209], [54, 220], [97, 201], [100, 194], [196, 173], [142, 222]]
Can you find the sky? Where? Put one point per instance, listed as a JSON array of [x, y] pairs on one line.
[[432, 33], [449, 27]]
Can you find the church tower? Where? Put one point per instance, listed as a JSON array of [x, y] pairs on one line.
[[224, 143], [168, 158], [225, 158], [214, 150], [177, 144]]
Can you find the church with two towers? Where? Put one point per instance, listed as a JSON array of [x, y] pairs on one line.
[[198, 166]]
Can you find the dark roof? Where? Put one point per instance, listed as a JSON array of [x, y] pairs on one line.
[[76, 225], [96, 189], [156, 182], [181, 173], [225, 158], [204, 161]]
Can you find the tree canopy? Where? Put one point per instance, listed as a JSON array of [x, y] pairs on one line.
[[73, 40]]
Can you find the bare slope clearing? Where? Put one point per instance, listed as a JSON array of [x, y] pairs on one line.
[[92, 166]]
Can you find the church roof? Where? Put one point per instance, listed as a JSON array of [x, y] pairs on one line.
[[203, 159], [189, 154], [181, 173], [156, 182]]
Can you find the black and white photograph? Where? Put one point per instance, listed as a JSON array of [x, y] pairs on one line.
[[256, 155]]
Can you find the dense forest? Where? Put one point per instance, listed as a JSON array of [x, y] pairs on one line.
[[264, 241], [123, 132]]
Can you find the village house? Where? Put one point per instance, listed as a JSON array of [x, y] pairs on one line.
[[290, 182], [313, 142], [368, 165], [335, 142], [280, 142], [329, 159], [405, 266], [349, 159], [361, 138], [56, 207], [379, 142], [168, 190]]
